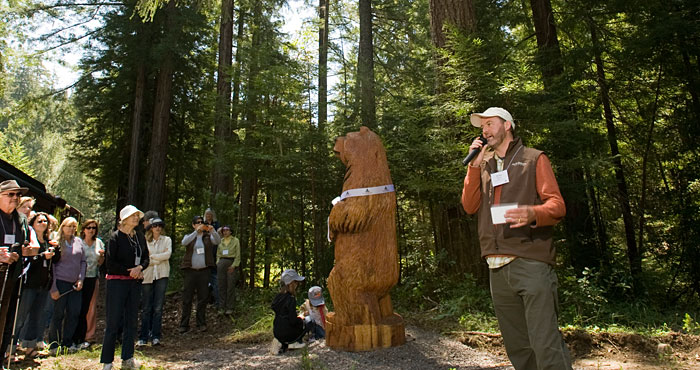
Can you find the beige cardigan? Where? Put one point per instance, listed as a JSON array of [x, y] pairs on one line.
[[159, 267]]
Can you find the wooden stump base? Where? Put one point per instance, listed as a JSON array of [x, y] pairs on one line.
[[365, 337]]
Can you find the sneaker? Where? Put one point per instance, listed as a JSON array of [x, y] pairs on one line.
[[107, 366], [183, 329], [140, 343], [202, 328], [275, 347], [73, 349], [84, 345], [228, 312], [155, 342], [131, 364], [296, 345], [53, 351]]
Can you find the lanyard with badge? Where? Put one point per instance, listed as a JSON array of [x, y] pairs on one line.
[[134, 242], [200, 250], [9, 239], [501, 177]]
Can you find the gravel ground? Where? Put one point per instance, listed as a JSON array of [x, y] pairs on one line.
[[423, 350]]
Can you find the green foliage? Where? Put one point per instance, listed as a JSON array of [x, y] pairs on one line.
[[14, 154], [445, 302], [690, 325]]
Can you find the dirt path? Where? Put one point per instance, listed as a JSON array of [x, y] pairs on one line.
[[423, 350], [222, 348]]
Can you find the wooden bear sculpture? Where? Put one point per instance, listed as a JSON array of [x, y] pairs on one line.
[[366, 259]]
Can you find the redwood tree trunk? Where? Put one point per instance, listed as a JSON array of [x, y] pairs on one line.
[[322, 65], [157, 155], [549, 54], [222, 131], [136, 117], [365, 67], [458, 13], [451, 227]]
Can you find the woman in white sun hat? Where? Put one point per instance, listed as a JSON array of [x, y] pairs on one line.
[[125, 259]]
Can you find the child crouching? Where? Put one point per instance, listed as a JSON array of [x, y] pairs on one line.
[[315, 312], [288, 328]]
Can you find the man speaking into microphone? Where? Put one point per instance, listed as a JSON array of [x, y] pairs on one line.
[[513, 189]]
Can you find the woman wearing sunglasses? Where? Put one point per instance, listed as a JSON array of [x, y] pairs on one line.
[[155, 282], [36, 283], [94, 256]]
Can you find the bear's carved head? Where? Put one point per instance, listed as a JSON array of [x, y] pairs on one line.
[[363, 155]]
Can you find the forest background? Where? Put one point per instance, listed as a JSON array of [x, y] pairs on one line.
[[180, 106]]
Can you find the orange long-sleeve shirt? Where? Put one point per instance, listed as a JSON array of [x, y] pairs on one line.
[[549, 213]]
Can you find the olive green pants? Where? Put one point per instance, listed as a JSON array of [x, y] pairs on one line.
[[524, 296]]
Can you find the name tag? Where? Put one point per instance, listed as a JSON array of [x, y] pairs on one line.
[[137, 261], [224, 252], [200, 250], [9, 239], [499, 178]]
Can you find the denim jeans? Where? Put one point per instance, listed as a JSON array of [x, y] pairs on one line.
[[65, 315], [152, 315], [122, 306], [29, 327]]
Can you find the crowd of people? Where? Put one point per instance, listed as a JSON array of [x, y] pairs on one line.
[[51, 273]]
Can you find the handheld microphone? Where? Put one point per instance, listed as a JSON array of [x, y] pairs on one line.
[[474, 152]]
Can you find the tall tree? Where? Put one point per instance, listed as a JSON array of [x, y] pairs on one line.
[[158, 152], [137, 116], [583, 250], [365, 67], [222, 181], [452, 230], [457, 13], [323, 64], [633, 254]]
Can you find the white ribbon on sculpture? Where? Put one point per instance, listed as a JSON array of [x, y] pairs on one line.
[[359, 192]]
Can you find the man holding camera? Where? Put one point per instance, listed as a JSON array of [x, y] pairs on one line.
[[513, 189], [196, 265], [13, 234]]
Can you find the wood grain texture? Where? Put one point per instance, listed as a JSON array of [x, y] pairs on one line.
[[366, 258]]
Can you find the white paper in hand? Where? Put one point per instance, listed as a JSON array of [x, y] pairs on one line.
[[498, 213]]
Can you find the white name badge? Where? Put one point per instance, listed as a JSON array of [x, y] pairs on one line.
[[137, 261], [224, 252], [498, 213], [9, 239], [200, 250], [499, 178]]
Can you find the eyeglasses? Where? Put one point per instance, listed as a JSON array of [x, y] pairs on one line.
[[198, 222], [157, 225], [90, 228], [13, 194]]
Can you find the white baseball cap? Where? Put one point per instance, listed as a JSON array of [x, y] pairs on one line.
[[475, 118], [290, 275], [128, 211]]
